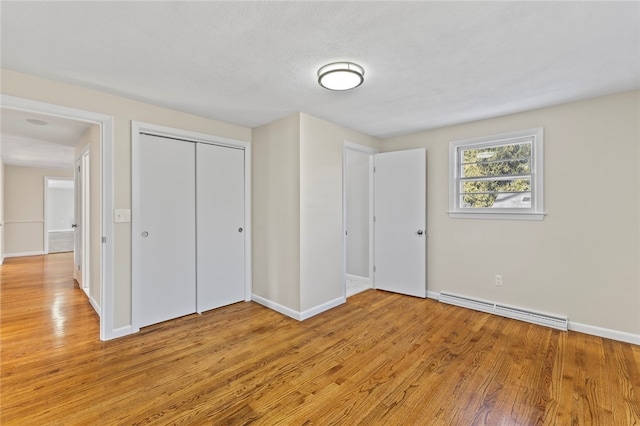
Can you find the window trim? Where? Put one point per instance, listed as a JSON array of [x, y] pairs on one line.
[[536, 212]]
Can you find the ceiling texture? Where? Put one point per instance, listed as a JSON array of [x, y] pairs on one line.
[[427, 64], [32, 145]]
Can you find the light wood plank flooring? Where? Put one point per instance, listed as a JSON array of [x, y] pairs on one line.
[[380, 359]]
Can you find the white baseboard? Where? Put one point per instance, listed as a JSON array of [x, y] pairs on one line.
[[358, 278], [95, 305], [292, 313], [433, 295], [587, 329], [121, 332], [321, 308], [26, 253], [605, 332]]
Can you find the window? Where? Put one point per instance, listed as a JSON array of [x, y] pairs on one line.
[[497, 177]]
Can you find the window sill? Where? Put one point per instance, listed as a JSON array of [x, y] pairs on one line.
[[496, 216]]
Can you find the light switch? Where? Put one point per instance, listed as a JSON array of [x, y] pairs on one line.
[[121, 215]]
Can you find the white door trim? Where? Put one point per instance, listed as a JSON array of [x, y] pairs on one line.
[[46, 208], [107, 330], [136, 128], [346, 145]]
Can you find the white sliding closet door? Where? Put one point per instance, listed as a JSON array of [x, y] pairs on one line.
[[220, 220], [165, 226]]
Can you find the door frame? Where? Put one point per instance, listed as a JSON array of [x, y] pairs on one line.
[[46, 207], [138, 127], [82, 235], [346, 145], [107, 330]]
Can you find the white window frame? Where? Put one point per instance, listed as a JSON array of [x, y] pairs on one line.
[[536, 212]]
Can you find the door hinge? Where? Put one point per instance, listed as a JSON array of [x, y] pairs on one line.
[[78, 169], [374, 169], [374, 269], [346, 232], [374, 218], [104, 240]]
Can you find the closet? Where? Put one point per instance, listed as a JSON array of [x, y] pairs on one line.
[[188, 227]]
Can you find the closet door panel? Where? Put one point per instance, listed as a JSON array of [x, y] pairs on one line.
[[164, 230], [220, 226]]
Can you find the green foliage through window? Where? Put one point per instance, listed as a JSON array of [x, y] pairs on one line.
[[497, 173]]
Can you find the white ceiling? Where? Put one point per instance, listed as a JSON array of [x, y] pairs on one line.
[[28, 145], [428, 64]]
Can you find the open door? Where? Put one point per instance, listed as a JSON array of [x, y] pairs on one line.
[[400, 217], [77, 237]]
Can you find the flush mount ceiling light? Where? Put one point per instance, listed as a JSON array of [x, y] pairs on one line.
[[340, 76], [37, 122]]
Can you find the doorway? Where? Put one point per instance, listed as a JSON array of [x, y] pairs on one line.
[[102, 231], [358, 217], [59, 215], [384, 194]]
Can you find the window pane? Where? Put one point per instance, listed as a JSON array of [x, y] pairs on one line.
[[497, 168], [496, 185], [496, 153], [520, 200]]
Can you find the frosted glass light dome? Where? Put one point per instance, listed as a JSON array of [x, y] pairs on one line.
[[341, 76]]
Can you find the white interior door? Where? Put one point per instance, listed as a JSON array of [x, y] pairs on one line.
[[85, 221], [400, 245], [164, 230], [77, 230], [220, 224]]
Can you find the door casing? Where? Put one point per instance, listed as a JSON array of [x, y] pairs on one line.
[[107, 323], [371, 152]]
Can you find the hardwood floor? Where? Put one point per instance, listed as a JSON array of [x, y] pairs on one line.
[[380, 359]]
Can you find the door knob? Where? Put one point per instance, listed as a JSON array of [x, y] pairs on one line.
[[145, 234], [240, 229], [420, 232], [74, 225]]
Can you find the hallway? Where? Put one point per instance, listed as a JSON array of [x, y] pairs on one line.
[[44, 319]]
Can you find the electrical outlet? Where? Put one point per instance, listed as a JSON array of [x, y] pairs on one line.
[[499, 280]]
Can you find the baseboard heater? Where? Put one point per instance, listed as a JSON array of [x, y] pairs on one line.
[[553, 321]]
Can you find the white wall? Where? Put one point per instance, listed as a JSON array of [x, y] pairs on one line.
[[123, 110], [60, 206], [297, 212], [357, 200], [583, 259], [321, 213], [24, 208], [276, 212]]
